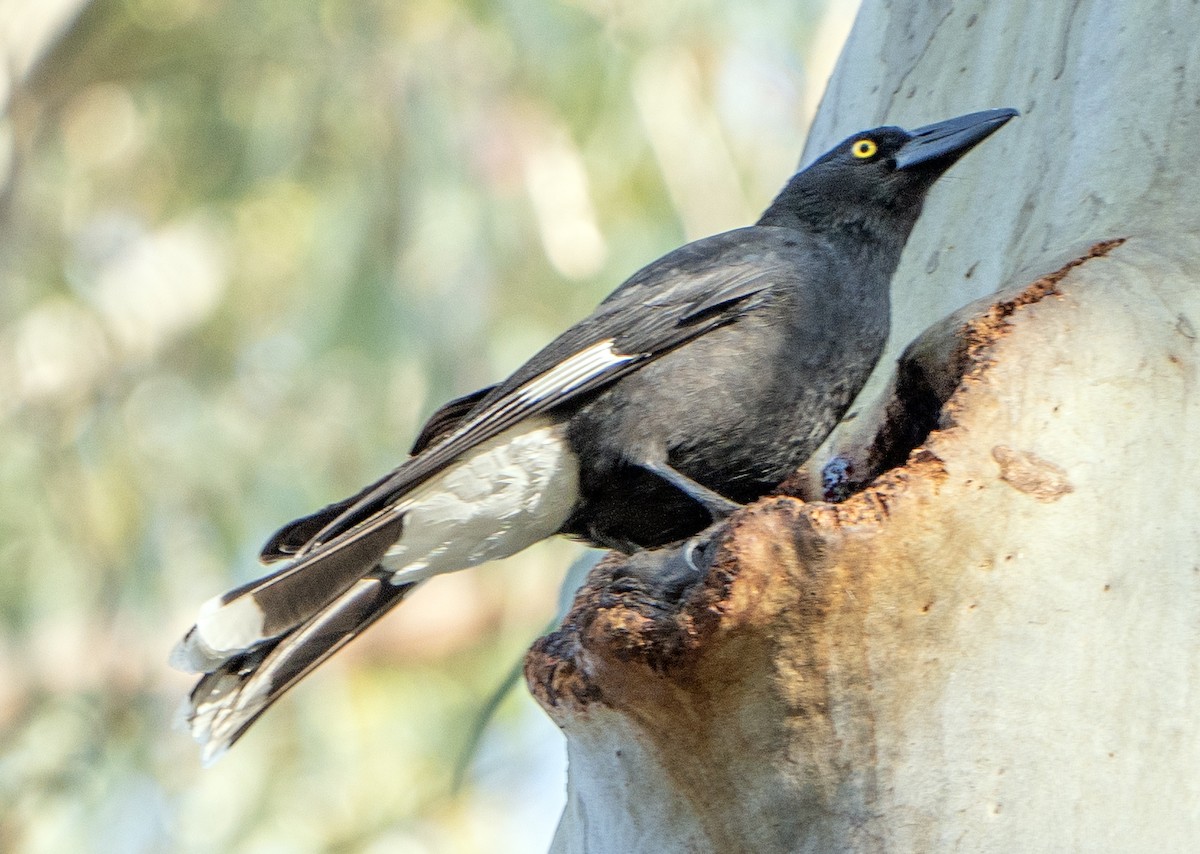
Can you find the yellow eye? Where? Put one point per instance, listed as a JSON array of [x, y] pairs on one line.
[[864, 148]]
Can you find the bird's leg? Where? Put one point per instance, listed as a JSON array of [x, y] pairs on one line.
[[718, 506]]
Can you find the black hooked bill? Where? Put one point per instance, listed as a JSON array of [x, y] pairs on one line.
[[952, 137]]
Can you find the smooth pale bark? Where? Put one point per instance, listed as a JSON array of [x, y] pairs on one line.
[[995, 646]]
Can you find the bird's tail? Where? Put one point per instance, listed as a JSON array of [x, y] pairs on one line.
[[255, 642], [231, 696], [255, 614]]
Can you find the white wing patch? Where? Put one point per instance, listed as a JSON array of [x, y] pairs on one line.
[[573, 372], [505, 494]]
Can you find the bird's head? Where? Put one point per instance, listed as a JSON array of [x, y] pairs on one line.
[[879, 175]]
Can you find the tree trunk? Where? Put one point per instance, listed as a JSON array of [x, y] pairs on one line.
[[993, 644]]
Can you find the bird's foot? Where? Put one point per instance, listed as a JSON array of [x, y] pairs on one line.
[[666, 574]]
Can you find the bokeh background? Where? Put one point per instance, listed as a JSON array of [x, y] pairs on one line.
[[246, 246]]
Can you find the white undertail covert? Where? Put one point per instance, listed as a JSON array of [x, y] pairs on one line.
[[506, 494]]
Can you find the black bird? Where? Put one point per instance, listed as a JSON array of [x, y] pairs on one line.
[[698, 384]]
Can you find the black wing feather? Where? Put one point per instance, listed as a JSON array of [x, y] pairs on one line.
[[683, 295]]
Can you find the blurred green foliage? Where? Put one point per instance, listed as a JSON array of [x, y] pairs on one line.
[[245, 247]]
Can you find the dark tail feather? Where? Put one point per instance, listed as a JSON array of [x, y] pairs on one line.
[[228, 699], [233, 625]]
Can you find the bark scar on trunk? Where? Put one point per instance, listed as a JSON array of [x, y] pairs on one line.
[[922, 396]]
